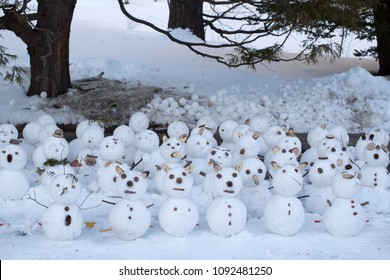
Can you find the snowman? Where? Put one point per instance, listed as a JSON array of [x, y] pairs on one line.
[[146, 142], [290, 141], [209, 123], [63, 220], [55, 150], [284, 213], [227, 214], [254, 193], [198, 148], [130, 217], [246, 147], [127, 136], [314, 136], [345, 216], [319, 192], [273, 135], [261, 124], [206, 132], [341, 158], [14, 183], [240, 131], [281, 157], [326, 144], [341, 134], [111, 151], [225, 131], [138, 122], [178, 215], [375, 178], [380, 135]]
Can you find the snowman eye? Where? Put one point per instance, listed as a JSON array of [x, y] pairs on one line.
[[227, 154], [219, 176], [333, 150], [212, 152], [284, 170], [177, 144], [223, 129], [320, 170], [171, 176], [207, 143], [333, 166], [73, 186], [248, 171], [296, 170], [284, 151], [58, 185], [106, 146], [234, 175], [136, 179], [184, 174], [169, 144], [260, 170], [3, 152], [123, 176]]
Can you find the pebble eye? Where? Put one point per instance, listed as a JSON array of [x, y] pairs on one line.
[[260, 170], [3, 152], [123, 176], [136, 179], [213, 152], [16, 153], [284, 170], [284, 151], [171, 176], [248, 171], [227, 154], [320, 170], [219, 176], [333, 166], [296, 170], [169, 144], [129, 183], [184, 174], [234, 175], [58, 185], [106, 146]]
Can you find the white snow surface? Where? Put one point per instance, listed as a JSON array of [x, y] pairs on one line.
[[293, 94]]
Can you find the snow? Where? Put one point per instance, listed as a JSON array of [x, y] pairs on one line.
[[293, 94]]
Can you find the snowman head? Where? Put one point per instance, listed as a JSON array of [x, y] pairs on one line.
[[290, 141], [13, 157], [327, 144], [315, 135], [7, 132], [198, 146], [56, 147], [209, 122], [252, 171], [220, 156], [92, 136], [376, 154], [45, 119], [273, 135], [125, 134], [258, 123], [284, 156], [173, 149], [321, 172], [204, 131], [340, 157], [227, 181], [247, 145], [346, 184], [31, 132], [147, 141], [111, 148], [288, 178], [341, 134], [177, 128], [83, 125], [138, 122], [65, 189], [380, 135], [177, 181], [226, 130], [131, 184], [240, 131]]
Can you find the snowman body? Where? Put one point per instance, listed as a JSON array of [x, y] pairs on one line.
[[130, 218], [14, 183], [284, 213], [178, 215], [138, 122], [227, 214], [63, 220], [345, 216]]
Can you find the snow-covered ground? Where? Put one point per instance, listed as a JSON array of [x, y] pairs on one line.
[[293, 94]]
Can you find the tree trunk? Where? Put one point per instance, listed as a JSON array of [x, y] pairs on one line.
[[49, 48], [187, 14], [382, 30]]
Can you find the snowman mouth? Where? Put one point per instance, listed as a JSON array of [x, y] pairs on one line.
[[129, 192], [9, 158], [178, 189], [228, 191]]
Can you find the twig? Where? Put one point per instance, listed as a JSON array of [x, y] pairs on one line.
[[35, 199], [109, 202]]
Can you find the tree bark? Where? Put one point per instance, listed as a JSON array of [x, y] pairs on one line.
[[187, 14], [382, 30]]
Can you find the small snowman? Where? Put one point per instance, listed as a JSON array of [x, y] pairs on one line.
[[284, 213], [130, 218], [146, 142], [255, 193], [374, 176], [227, 214], [198, 148], [7, 132], [138, 122], [281, 157], [259, 123], [55, 150], [63, 220], [14, 183], [178, 215], [326, 144], [246, 147], [273, 135], [127, 136], [319, 192], [314, 136], [378, 134], [226, 130], [240, 131], [345, 217], [111, 152]]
